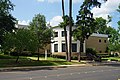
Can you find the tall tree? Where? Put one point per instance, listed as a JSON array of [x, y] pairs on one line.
[[63, 25], [114, 40], [70, 30], [20, 40], [7, 21], [38, 26], [85, 22]]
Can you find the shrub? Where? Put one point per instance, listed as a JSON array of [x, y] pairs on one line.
[[90, 50]]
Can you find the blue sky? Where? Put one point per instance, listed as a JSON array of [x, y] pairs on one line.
[[25, 10]]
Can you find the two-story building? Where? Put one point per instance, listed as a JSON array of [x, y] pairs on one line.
[[97, 41]]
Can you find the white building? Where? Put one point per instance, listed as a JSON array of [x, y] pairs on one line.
[[58, 47]]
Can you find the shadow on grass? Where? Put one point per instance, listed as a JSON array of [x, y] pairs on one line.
[[29, 65]]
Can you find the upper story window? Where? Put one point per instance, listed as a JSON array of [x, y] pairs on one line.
[[63, 33], [100, 40], [56, 34]]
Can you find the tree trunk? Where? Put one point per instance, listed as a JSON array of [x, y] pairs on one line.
[[70, 29], [38, 55], [79, 55], [66, 44], [17, 59], [19, 52]]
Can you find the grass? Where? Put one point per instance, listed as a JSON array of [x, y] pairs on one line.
[[9, 61], [48, 58], [112, 58]]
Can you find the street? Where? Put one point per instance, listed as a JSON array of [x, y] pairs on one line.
[[104, 72]]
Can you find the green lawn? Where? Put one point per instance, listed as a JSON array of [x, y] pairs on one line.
[[112, 58], [48, 58], [9, 61]]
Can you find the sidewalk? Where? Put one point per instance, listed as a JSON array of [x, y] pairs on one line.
[[40, 67], [30, 68]]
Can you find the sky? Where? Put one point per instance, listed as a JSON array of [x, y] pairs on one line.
[[25, 10]]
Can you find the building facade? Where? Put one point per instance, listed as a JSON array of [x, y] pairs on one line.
[[97, 41]]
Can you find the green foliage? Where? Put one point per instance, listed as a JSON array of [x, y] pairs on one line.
[[114, 35], [114, 39], [65, 21], [101, 25], [90, 50], [7, 21], [19, 40], [85, 21], [38, 26], [6, 57], [86, 24]]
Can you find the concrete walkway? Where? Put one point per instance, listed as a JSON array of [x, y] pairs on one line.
[[29, 68], [86, 63]]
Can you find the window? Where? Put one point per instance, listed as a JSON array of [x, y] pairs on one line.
[[55, 47], [63, 48], [56, 34], [74, 47], [99, 40], [63, 33], [105, 41]]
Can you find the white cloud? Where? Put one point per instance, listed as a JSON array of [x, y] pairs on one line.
[[55, 21], [106, 9], [40, 0], [52, 1], [24, 22]]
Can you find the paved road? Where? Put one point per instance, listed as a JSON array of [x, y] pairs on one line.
[[106, 72]]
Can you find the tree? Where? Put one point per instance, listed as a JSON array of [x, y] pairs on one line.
[[114, 40], [7, 21], [44, 34], [19, 40], [70, 30], [101, 25], [85, 22], [114, 36], [63, 25]]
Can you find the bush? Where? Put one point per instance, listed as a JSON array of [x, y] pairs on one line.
[[58, 56], [90, 50], [22, 54], [6, 53], [13, 53], [91, 53]]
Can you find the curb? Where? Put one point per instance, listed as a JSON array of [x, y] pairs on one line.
[[40, 67]]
